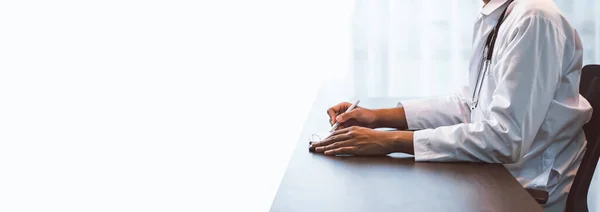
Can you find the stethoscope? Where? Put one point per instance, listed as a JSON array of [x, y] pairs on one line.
[[487, 57]]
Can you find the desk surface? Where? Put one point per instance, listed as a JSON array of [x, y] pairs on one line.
[[314, 182]]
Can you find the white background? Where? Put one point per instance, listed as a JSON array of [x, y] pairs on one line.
[[158, 105]]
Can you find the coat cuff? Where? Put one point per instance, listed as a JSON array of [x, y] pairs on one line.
[[422, 147], [428, 147], [412, 110]]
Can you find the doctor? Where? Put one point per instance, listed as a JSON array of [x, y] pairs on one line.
[[522, 106]]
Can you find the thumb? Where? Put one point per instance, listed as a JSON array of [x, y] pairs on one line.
[[353, 114]]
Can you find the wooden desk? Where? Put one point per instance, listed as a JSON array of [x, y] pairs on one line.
[[314, 182]]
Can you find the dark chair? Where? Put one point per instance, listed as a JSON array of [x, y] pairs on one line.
[[589, 87]]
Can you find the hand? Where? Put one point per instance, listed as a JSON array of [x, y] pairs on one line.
[[358, 141], [359, 116]]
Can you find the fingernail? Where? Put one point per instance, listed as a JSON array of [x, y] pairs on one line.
[[319, 148], [339, 118]]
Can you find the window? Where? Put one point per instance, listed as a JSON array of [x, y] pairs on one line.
[[413, 48]]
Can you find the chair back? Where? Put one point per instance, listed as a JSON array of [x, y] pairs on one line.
[[589, 88]]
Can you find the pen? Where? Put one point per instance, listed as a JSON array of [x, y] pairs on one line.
[[348, 110]]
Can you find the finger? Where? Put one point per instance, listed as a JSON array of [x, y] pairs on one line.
[[332, 120], [332, 112], [341, 131], [353, 114], [331, 139], [335, 145], [348, 123], [335, 110], [342, 150]]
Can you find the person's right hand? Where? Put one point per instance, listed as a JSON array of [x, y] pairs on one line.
[[359, 116]]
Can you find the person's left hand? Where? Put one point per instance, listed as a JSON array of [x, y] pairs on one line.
[[356, 141]]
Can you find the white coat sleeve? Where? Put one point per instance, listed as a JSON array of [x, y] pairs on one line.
[[436, 112], [526, 76]]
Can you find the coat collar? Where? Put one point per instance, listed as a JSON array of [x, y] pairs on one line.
[[492, 6]]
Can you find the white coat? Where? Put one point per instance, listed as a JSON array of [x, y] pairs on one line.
[[530, 114]]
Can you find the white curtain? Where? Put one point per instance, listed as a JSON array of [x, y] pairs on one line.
[[414, 48]]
